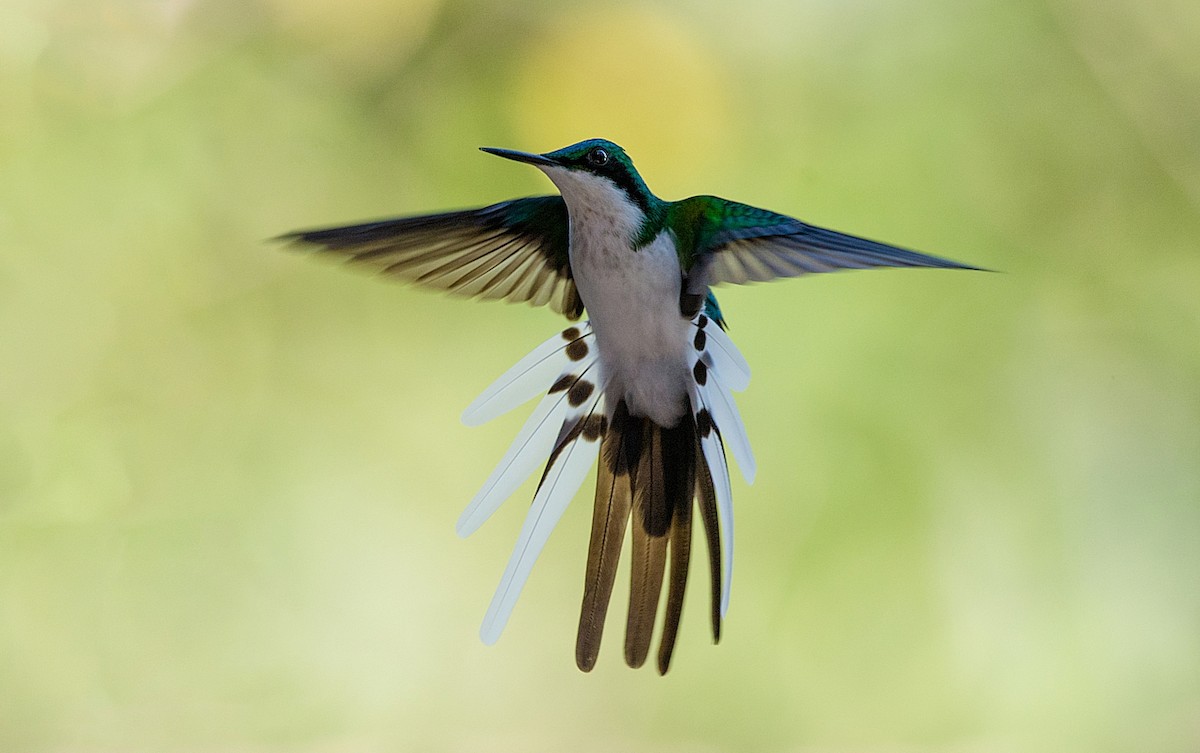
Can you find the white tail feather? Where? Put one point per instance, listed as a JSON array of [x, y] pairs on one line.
[[533, 443], [563, 479], [727, 418], [726, 369], [728, 361], [528, 378]]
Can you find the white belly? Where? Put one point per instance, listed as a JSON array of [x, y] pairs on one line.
[[632, 299]]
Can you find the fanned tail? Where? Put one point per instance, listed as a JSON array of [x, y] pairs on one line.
[[648, 480], [651, 475]]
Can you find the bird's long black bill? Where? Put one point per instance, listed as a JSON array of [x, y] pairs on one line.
[[533, 159]]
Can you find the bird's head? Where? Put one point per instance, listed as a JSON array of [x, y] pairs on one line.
[[595, 172]]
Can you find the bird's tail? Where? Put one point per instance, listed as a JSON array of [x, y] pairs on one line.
[[648, 479]]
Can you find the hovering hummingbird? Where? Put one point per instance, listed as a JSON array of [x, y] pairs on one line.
[[645, 382]]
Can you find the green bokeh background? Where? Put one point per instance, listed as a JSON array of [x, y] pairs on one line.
[[229, 475]]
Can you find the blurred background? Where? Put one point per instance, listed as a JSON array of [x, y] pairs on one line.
[[229, 474]]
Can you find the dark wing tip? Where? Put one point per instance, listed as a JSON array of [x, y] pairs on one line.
[[292, 239], [941, 262], [309, 239], [856, 249], [972, 268], [958, 265], [301, 242]]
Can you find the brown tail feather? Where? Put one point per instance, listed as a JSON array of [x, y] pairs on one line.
[[651, 521], [610, 516], [680, 545]]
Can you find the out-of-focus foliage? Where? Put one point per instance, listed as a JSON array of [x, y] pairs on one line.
[[229, 474]]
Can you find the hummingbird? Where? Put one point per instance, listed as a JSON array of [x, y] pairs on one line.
[[644, 385]]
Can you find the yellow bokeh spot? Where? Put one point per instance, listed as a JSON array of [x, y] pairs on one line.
[[639, 78]]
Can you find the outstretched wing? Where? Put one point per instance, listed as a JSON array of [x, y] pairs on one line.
[[515, 250], [724, 241]]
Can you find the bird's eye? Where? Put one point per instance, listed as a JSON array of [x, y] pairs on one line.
[[598, 157]]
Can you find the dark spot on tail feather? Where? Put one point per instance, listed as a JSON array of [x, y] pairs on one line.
[[590, 428], [577, 350], [594, 427], [563, 383], [579, 392], [700, 371]]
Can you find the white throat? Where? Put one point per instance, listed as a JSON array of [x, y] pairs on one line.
[[593, 200]]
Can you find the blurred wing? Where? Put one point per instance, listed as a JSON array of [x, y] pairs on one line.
[[724, 241], [515, 250]]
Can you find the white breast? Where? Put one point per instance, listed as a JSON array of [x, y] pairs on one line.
[[632, 297]]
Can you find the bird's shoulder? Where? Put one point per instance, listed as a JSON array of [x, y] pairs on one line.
[[701, 224]]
